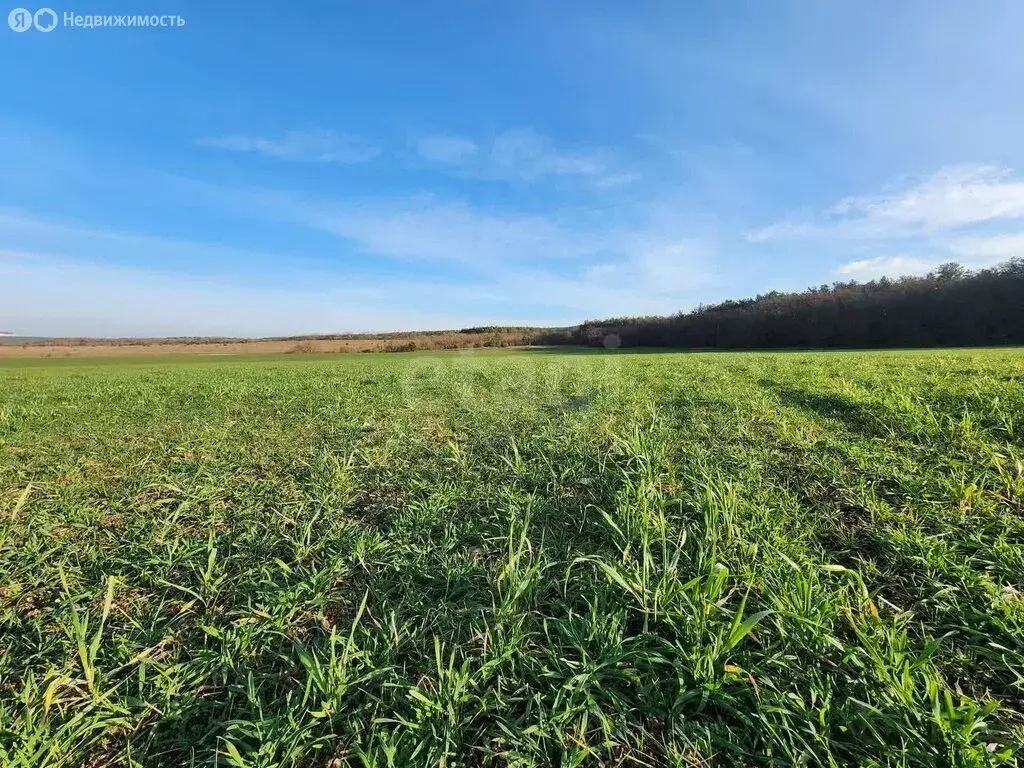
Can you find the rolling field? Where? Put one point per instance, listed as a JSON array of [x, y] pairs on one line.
[[513, 558]]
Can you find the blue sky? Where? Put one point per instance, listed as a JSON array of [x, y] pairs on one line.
[[270, 169]]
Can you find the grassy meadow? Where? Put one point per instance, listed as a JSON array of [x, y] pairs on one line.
[[534, 558]]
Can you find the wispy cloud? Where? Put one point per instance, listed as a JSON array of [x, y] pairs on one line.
[[50, 296], [61, 238], [493, 242], [512, 268], [525, 153], [432, 230], [953, 198], [591, 269], [314, 146], [520, 154], [659, 268], [999, 247], [887, 266], [971, 214]]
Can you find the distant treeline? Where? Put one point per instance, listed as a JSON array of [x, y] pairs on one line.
[[951, 306], [948, 307], [400, 341]]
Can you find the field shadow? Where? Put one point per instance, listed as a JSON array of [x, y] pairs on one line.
[[865, 420], [875, 420]]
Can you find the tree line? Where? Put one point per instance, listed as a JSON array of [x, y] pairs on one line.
[[951, 306]]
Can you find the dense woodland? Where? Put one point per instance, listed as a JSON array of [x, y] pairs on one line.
[[949, 307]]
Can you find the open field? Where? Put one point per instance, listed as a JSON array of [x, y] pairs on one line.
[[470, 338], [513, 558], [97, 348]]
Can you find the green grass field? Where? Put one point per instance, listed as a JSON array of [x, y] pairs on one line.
[[513, 558]]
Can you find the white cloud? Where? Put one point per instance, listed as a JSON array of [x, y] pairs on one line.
[[953, 198], [887, 266], [318, 146], [998, 247]]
